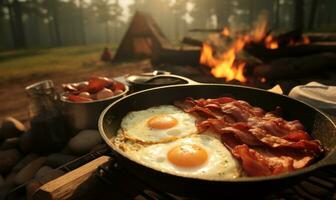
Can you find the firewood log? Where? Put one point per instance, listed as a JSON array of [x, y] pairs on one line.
[[290, 51], [321, 37], [296, 67], [192, 41], [205, 30], [177, 56]]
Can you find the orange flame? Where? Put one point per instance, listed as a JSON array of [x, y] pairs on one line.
[[224, 66], [270, 43], [225, 32], [259, 32]]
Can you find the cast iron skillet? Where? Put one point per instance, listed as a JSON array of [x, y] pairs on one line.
[[316, 123]]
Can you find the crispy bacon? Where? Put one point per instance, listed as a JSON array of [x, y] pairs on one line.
[[264, 143], [253, 163]]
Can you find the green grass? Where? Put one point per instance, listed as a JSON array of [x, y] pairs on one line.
[[24, 63]]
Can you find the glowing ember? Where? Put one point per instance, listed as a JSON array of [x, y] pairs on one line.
[[270, 43], [305, 40]]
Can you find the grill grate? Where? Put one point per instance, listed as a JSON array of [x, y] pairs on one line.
[[321, 185]]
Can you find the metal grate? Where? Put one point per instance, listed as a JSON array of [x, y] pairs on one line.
[[321, 185]]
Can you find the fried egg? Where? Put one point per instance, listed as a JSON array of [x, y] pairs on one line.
[[158, 124], [198, 156]]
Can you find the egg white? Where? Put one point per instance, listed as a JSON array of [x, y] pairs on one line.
[[134, 125], [220, 164]]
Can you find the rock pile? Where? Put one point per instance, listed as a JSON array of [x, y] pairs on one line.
[[20, 164]]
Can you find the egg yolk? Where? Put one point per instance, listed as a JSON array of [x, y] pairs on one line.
[[162, 122], [188, 155]]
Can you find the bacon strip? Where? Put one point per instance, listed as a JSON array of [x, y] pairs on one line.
[[264, 143]]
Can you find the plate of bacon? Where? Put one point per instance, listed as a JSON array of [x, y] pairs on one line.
[[275, 140]]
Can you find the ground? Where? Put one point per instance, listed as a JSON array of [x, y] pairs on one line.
[[61, 65]]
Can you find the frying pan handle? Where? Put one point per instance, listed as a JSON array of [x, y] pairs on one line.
[[187, 80]]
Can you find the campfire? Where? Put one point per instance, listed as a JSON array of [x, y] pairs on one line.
[[259, 57], [226, 63]]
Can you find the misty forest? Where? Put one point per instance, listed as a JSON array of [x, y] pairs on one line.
[[51, 23]]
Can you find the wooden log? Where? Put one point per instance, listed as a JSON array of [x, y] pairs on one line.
[[321, 37], [296, 67], [205, 30], [192, 41], [177, 56], [285, 38], [290, 51], [72, 185]]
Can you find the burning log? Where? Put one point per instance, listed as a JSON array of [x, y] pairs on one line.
[[296, 67], [285, 39]]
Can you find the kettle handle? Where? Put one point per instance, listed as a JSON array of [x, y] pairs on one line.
[[187, 80]]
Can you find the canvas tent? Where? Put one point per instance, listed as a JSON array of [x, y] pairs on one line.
[[142, 39]]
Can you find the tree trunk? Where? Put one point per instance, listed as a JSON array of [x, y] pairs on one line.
[[277, 14], [54, 12], [330, 11], [51, 34], [12, 26], [115, 32], [36, 29], [298, 14], [20, 39], [176, 27], [222, 9], [312, 16], [252, 12], [82, 23], [107, 34], [34, 17]]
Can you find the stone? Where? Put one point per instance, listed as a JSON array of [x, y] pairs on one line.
[[10, 143], [11, 127], [2, 180], [99, 147], [66, 150], [31, 188], [46, 174], [84, 141], [5, 189], [29, 171], [8, 159], [10, 178], [42, 171], [24, 161], [57, 159], [26, 142]]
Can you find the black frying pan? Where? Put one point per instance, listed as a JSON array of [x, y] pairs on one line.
[[316, 123]]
